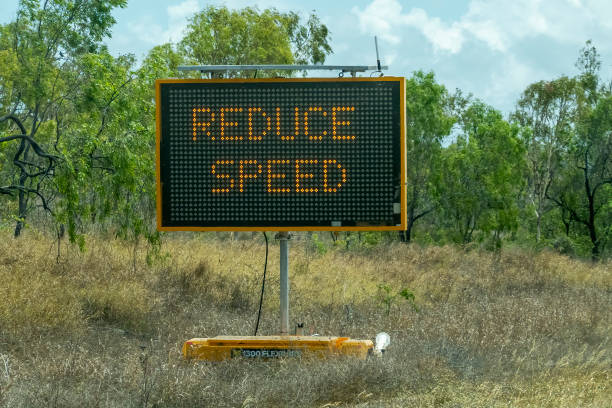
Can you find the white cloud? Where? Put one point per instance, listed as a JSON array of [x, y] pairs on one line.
[[379, 17], [383, 17], [497, 23], [183, 10], [389, 58], [442, 36], [509, 78], [600, 11], [150, 32]]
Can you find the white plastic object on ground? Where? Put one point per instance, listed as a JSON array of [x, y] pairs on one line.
[[381, 343]]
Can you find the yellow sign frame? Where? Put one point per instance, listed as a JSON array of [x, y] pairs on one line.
[[403, 181]]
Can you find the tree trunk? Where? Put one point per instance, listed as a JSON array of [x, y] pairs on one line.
[[539, 227], [23, 177], [591, 221], [595, 252], [409, 229], [22, 206], [405, 236], [567, 223], [592, 230]]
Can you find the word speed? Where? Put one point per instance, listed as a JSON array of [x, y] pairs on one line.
[[281, 154]]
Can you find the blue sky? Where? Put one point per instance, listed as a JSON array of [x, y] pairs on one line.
[[491, 48]]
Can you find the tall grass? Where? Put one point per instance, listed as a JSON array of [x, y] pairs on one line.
[[104, 327]]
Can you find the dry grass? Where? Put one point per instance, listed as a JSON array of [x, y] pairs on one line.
[[102, 328]]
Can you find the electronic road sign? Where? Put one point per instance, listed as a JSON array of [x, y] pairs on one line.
[[281, 154]]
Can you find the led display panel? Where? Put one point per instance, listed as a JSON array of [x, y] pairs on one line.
[[281, 154]]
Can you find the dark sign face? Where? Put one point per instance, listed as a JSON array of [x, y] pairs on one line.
[[282, 154]]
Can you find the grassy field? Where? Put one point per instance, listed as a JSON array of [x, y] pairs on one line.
[[104, 327]]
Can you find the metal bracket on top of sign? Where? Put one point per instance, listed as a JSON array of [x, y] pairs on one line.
[[224, 69]]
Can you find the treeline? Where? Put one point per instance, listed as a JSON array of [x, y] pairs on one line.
[[77, 132], [541, 177]]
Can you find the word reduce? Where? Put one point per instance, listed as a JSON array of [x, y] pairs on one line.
[[225, 123], [279, 176]]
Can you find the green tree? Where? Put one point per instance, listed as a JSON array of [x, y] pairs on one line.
[[428, 122], [584, 187], [107, 173], [481, 175], [162, 61], [78, 134], [219, 36], [42, 47], [545, 113]]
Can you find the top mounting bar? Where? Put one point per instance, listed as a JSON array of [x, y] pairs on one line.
[[343, 68]]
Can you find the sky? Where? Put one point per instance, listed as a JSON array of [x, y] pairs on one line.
[[491, 48]]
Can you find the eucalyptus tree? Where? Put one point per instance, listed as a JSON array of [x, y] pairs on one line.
[[428, 122], [220, 36], [584, 186], [40, 51], [481, 175], [545, 112]]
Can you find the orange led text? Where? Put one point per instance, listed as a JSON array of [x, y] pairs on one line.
[[280, 175], [235, 123]]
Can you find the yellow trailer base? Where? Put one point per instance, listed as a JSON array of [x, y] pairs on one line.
[[272, 347]]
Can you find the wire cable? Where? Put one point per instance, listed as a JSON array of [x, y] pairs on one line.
[[263, 285]]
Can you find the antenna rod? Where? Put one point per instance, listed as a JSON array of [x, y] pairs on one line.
[[377, 56]]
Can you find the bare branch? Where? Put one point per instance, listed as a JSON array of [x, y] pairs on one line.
[[424, 213], [37, 149], [601, 183], [8, 190], [16, 120], [572, 212]]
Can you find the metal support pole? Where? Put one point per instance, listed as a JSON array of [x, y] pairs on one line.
[[284, 237]]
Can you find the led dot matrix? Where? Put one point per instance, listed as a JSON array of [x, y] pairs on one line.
[[283, 153]]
